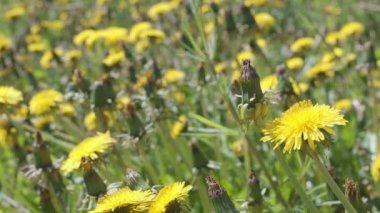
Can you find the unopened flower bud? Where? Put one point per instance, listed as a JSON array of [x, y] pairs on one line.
[[94, 183], [220, 199]]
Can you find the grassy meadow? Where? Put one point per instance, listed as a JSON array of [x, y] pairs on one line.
[[189, 106]]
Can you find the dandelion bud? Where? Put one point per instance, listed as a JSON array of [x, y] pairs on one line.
[[250, 82], [134, 122], [220, 199], [254, 190], [200, 160], [246, 16], [46, 201], [132, 73], [94, 183], [230, 21], [102, 93], [202, 74], [41, 152]]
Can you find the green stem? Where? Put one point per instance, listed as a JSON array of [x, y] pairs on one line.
[[305, 198], [330, 181]]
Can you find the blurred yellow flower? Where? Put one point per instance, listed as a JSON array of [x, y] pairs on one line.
[[21, 113], [332, 38], [172, 76], [72, 55], [179, 97], [351, 29], [54, 25], [332, 9], [125, 200], [42, 121], [264, 21], [375, 169], [114, 58], [162, 8], [298, 87], [3, 136], [90, 120], [294, 63], [137, 29], [44, 101], [178, 126], [122, 101], [250, 3], [90, 147], [244, 55], [321, 70], [302, 124], [302, 44], [343, 104], [154, 36], [14, 12], [38, 47], [82, 37], [332, 55], [5, 42], [67, 109], [10, 95], [48, 57], [269, 83], [237, 148], [220, 67], [172, 196], [262, 43]]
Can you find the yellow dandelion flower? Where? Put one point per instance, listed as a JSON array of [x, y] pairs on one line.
[[162, 8], [124, 200], [154, 36], [244, 55], [81, 37], [10, 95], [179, 97], [3, 136], [37, 47], [113, 35], [44, 101], [209, 27], [250, 3], [294, 63], [122, 101], [67, 109], [43, 121], [343, 104], [298, 87], [332, 38], [89, 147], [264, 21], [302, 123], [235, 76], [375, 169], [262, 43], [269, 83], [302, 44], [137, 29], [174, 194], [21, 113], [16, 11], [220, 67], [90, 120], [53, 24], [72, 54], [351, 29], [351, 57], [321, 70], [332, 55], [178, 126], [5, 42], [114, 58], [172, 76]]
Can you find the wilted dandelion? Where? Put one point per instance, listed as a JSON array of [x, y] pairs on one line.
[[171, 198], [89, 147], [302, 124]]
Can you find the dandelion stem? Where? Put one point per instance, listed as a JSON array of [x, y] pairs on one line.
[[330, 181], [308, 203]]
